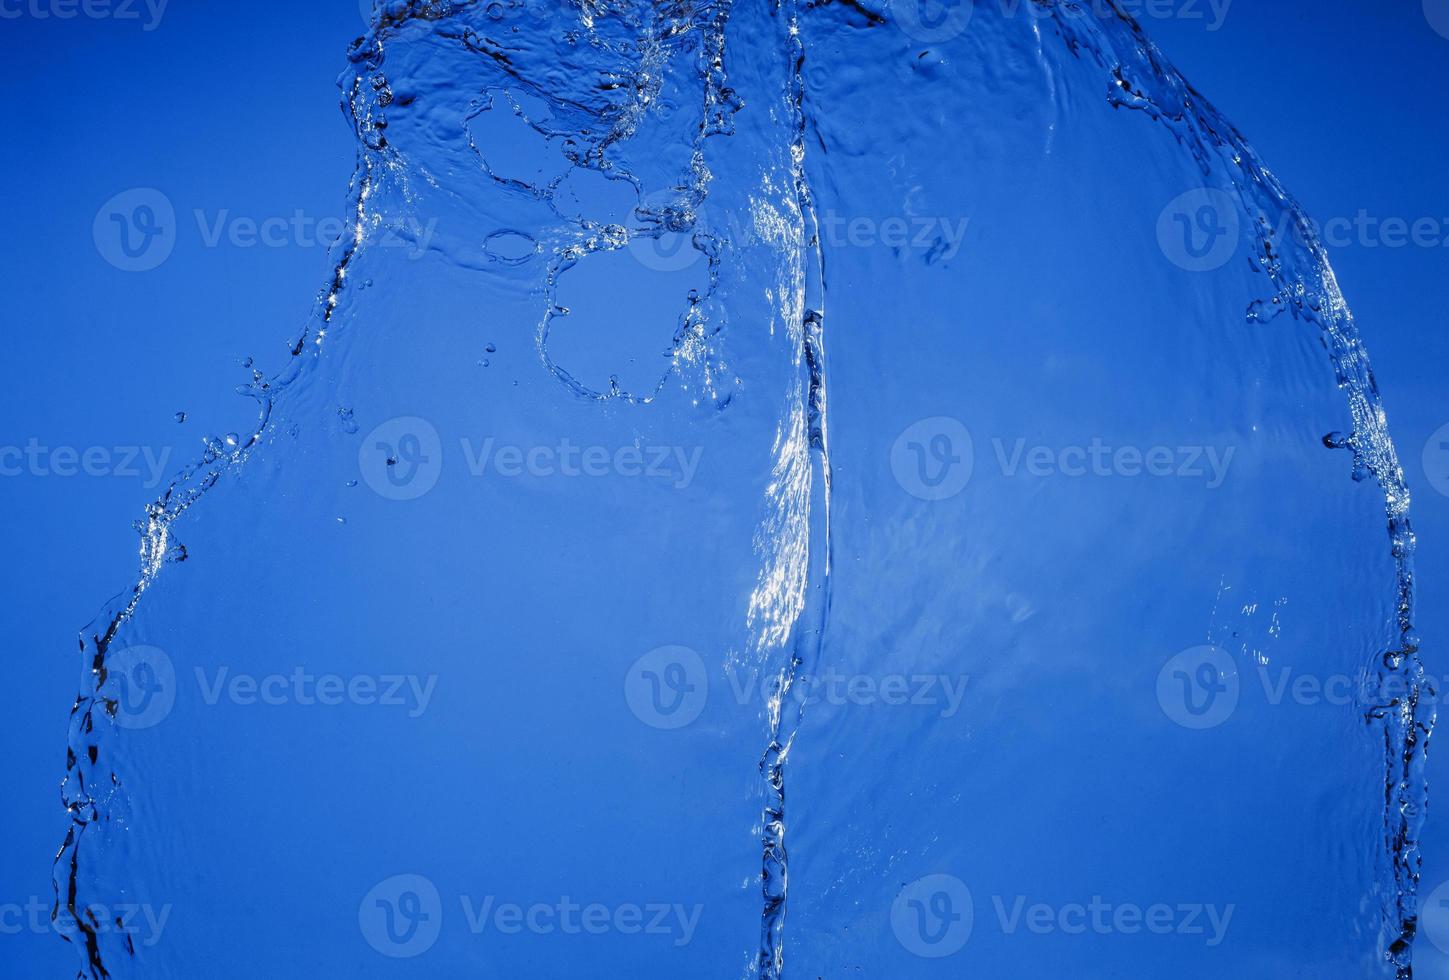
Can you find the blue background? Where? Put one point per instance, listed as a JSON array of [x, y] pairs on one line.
[[224, 109]]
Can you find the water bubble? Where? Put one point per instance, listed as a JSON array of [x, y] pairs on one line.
[[510, 247]]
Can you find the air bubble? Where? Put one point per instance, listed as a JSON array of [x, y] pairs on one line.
[[510, 247]]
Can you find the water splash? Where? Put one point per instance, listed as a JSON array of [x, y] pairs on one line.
[[1303, 285], [632, 102]]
